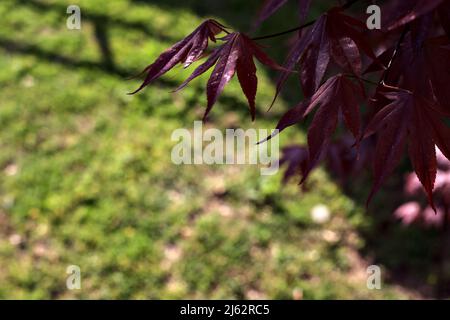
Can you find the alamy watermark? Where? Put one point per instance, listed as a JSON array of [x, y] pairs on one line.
[[373, 277], [73, 281], [374, 21], [74, 20], [236, 146]]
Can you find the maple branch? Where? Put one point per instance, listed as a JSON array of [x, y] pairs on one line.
[[347, 5], [362, 79], [394, 55], [377, 84], [285, 32]]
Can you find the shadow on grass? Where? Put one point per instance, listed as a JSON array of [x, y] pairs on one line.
[[97, 18], [412, 256]]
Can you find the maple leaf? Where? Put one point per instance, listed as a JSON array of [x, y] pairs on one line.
[[338, 95], [271, 6], [419, 62], [235, 56], [435, 68], [404, 12], [342, 159], [295, 157], [413, 119], [186, 51], [334, 36], [431, 60], [431, 72], [345, 161], [444, 16], [303, 9]]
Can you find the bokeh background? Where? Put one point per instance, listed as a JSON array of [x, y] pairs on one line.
[[86, 177]]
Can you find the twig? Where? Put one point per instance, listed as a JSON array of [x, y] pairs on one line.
[[362, 79], [394, 55], [347, 5], [285, 32]]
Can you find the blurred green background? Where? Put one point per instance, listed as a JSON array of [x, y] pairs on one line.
[[86, 177]]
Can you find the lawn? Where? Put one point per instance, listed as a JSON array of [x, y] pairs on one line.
[[87, 179]]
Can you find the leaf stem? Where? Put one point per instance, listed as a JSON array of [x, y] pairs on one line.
[[347, 5], [377, 84], [273, 35], [394, 55], [360, 78]]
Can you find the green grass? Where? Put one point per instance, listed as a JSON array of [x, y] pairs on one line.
[[87, 179]]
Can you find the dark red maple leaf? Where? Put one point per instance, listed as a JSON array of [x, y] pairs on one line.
[[413, 119], [431, 60], [333, 37], [338, 95], [303, 9], [185, 51], [444, 16], [235, 56], [295, 158], [434, 67], [403, 12], [342, 159], [410, 99]]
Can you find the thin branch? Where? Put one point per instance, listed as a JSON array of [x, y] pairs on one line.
[[396, 88], [367, 81], [351, 75], [377, 84], [394, 55], [347, 5], [274, 35]]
